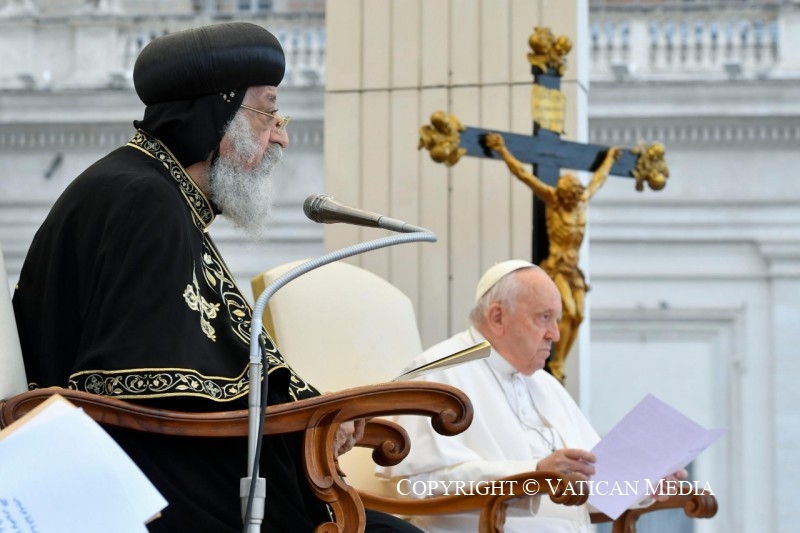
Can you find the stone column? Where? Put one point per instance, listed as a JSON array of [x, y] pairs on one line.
[[390, 65]]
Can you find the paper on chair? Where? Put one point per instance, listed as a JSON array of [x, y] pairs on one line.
[[478, 351], [61, 472], [652, 441]]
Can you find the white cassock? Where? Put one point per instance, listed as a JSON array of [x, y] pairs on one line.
[[518, 421]]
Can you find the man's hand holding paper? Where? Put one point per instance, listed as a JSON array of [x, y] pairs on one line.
[[644, 455]]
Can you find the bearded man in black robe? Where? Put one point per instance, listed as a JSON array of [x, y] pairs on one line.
[[124, 294]]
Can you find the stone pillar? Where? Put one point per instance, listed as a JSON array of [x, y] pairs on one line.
[[784, 267], [390, 65]]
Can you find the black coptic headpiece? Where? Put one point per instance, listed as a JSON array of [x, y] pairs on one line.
[[193, 81]]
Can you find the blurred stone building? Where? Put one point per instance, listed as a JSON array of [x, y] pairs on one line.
[[698, 285], [66, 99]]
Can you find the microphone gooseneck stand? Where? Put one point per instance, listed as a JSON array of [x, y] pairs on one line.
[[253, 489]]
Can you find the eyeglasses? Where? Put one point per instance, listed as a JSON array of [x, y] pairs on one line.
[[280, 122]]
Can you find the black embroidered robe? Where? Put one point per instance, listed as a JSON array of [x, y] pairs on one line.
[[124, 294]]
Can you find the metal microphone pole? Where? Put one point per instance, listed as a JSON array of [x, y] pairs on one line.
[[253, 488]]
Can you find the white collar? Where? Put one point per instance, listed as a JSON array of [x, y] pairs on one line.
[[496, 362]]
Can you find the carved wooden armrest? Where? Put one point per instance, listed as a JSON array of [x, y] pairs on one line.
[[492, 506], [697, 505], [389, 442], [449, 409]]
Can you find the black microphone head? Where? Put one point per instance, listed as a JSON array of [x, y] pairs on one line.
[[313, 205]]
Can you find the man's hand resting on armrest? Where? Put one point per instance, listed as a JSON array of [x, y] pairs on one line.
[[569, 461], [348, 434]]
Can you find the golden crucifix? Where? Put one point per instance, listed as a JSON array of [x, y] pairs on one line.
[[560, 201]]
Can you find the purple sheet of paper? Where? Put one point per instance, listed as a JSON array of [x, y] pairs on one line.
[[652, 441]]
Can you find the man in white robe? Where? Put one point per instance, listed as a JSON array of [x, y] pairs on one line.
[[524, 418]]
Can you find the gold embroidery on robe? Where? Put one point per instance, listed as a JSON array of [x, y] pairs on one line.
[[163, 382], [207, 310]]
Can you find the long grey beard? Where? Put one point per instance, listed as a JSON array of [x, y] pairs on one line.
[[244, 196]]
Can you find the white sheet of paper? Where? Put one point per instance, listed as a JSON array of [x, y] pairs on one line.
[[652, 441], [63, 473]]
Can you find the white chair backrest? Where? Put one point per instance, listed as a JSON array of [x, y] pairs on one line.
[[12, 369], [341, 326]]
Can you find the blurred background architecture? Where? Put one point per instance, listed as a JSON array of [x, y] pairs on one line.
[[697, 286], [67, 98]]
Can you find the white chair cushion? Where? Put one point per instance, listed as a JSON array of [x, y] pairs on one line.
[[12, 369], [341, 326]]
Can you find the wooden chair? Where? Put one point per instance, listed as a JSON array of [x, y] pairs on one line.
[[367, 328], [449, 409], [364, 325], [698, 505]]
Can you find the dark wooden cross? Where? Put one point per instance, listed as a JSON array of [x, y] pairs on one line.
[[545, 149], [448, 140]]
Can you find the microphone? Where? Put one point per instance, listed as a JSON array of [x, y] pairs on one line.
[[252, 489], [326, 209]]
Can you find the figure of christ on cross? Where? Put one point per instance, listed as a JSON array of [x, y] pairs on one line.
[[565, 216], [560, 201]]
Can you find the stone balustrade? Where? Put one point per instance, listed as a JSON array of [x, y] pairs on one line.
[[71, 44], [79, 44], [679, 41]]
